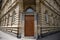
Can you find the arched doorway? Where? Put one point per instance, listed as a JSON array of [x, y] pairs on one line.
[[29, 22]]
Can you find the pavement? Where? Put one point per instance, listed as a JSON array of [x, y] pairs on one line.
[[5, 36]]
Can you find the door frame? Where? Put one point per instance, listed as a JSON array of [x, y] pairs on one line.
[[22, 19]]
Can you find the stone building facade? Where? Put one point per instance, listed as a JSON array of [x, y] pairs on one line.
[[36, 16]]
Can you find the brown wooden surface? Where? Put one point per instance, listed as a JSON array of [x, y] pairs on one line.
[[29, 25]]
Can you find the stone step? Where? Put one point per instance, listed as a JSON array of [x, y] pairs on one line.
[[27, 39]]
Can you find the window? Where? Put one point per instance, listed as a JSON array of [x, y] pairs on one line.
[[29, 10], [13, 17], [8, 20], [46, 17]]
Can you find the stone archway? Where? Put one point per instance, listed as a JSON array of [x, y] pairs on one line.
[[29, 23]]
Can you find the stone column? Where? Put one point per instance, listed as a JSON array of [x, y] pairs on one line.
[[19, 35], [38, 17]]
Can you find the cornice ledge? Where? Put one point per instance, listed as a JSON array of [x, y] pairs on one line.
[[4, 4], [9, 9], [50, 6]]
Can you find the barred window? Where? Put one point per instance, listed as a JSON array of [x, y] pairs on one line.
[[46, 16], [6, 20], [13, 17]]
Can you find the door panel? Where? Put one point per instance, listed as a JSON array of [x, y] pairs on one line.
[[29, 25]]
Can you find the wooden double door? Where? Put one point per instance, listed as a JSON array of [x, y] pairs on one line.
[[29, 25]]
